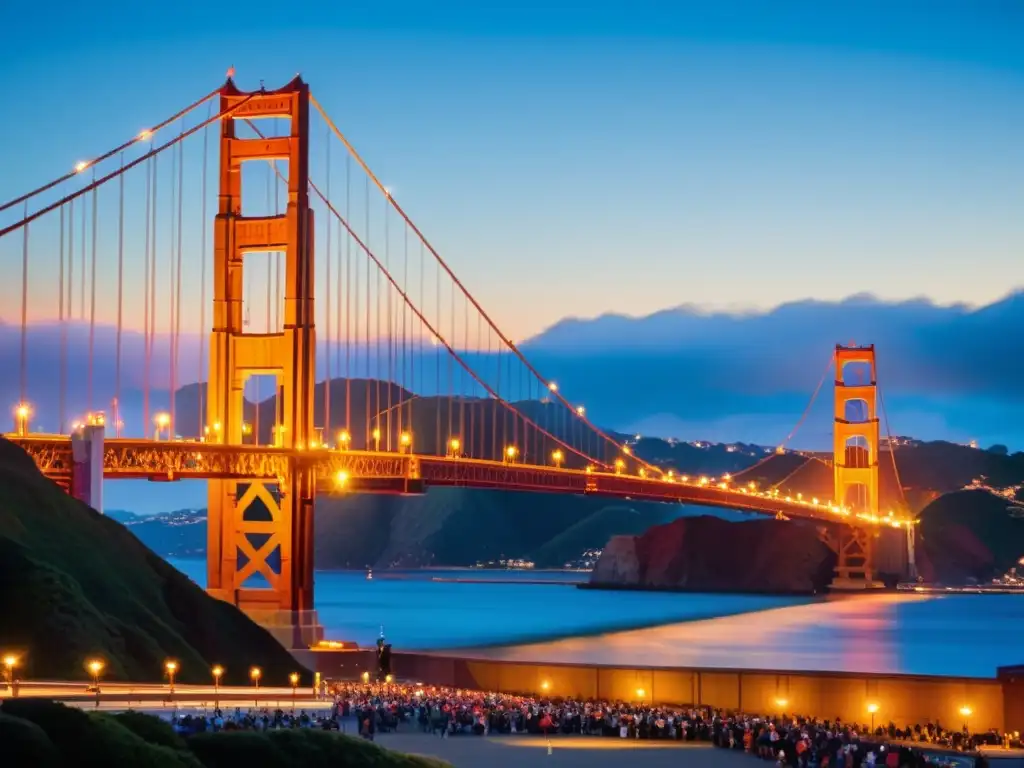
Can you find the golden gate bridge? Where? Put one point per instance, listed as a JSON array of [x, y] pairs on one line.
[[422, 387]]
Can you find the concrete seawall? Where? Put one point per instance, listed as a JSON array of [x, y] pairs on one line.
[[994, 703]]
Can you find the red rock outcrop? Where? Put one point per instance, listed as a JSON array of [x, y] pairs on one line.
[[708, 554]]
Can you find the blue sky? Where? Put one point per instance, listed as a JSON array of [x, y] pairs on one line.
[[576, 159], [634, 155]]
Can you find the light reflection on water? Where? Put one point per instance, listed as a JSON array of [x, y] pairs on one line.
[[967, 635]]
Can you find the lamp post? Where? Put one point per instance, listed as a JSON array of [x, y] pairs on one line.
[[95, 667], [344, 439], [966, 712], [162, 421], [376, 438], [254, 675], [171, 666], [405, 442], [218, 672], [510, 454], [293, 678], [21, 417], [872, 708], [10, 662], [557, 457]]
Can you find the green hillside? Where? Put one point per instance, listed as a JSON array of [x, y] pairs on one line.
[[76, 585], [43, 734], [456, 526], [972, 534], [594, 530]]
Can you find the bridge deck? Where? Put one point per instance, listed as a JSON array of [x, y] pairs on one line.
[[382, 471]]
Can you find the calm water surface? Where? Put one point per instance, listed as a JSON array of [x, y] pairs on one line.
[[969, 635]]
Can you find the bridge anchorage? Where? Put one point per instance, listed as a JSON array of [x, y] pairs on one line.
[[495, 424]]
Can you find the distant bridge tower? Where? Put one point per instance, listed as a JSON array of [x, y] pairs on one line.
[[264, 528], [854, 547]]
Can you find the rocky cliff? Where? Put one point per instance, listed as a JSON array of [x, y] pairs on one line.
[[707, 554]]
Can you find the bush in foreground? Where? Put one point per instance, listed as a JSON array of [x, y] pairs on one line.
[[37, 733]]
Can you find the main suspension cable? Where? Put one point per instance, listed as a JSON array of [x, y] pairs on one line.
[[444, 265], [29, 218], [141, 137], [441, 340]]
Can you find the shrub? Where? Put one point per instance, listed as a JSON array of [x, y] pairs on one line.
[[26, 744], [228, 749], [150, 728]]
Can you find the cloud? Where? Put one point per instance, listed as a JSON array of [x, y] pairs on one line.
[[951, 371]]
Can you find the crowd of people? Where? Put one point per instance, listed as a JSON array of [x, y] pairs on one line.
[[255, 719], [785, 739]]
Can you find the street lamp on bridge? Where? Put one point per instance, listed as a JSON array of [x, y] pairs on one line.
[[10, 662], [454, 448], [293, 678], [405, 442], [163, 422], [344, 439], [557, 457], [22, 413], [376, 438], [510, 454]]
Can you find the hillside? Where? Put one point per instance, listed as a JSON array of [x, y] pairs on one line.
[[36, 733], [925, 470], [706, 554], [483, 426], [77, 585], [970, 534]]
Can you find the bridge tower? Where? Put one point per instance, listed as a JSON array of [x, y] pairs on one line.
[[854, 546], [255, 526]]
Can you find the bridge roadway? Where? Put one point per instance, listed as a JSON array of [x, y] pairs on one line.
[[409, 473]]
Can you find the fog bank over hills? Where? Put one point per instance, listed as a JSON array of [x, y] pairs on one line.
[[945, 372]]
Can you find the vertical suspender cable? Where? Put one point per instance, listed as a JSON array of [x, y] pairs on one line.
[[69, 309], [437, 362], [327, 311], [120, 300], [24, 310], [451, 366], [388, 327], [463, 395], [201, 384], [145, 304], [152, 279], [62, 383], [423, 336], [172, 302], [376, 314], [348, 299], [405, 331], [81, 286], [367, 383], [177, 282], [92, 294]]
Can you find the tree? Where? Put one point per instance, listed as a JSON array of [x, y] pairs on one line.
[[999, 450]]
